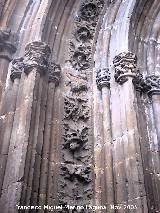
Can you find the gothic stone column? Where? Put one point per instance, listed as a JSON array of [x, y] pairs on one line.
[[125, 71], [46, 188], [151, 85], [8, 106], [35, 66], [103, 83]]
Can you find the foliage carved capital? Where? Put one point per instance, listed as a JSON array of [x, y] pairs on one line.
[[103, 78], [125, 66], [36, 56]]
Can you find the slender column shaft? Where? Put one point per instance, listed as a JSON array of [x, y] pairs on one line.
[[7, 112], [156, 110], [103, 83], [125, 72], [35, 60], [54, 77], [108, 169]]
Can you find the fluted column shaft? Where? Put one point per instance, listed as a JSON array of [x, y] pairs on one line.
[[103, 83], [7, 114], [46, 178], [35, 66], [125, 72]]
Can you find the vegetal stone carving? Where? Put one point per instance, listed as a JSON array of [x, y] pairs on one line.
[[103, 78], [36, 56], [75, 138], [79, 172], [125, 66], [17, 67], [54, 73], [76, 108]]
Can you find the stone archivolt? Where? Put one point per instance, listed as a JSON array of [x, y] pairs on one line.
[[54, 72], [91, 9], [103, 78], [81, 57], [74, 139], [77, 83], [7, 44], [76, 146], [72, 172], [81, 44], [76, 108]]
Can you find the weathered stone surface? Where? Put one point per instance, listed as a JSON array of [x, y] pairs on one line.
[[36, 56], [79, 122], [7, 44]]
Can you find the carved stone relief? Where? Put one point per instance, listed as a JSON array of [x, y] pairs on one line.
[[81, 57], [54, 73], [17, 67], [149, 84], [77, 83], [76, 108], [76, 174], [125, 66], [83, 34], [79, 172], [103, 78], [36, 56]]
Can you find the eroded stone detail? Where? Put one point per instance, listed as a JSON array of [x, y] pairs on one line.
[[77, 83], [125, 66], [139, 82], [17, 67], [149, 84], [54, 73], [91, 9], [75, 138], [76, 176], [83, 34], [76, 108], [36, 56], [7, 44], [79, 172], [152, 84], [81, 57], [103, 78]]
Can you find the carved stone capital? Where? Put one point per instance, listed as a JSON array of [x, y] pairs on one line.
[[36, 56], [152, 84], [7, 44], [149, 84], [125, 66], [17, 67], [103, 78], [54, 72]]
